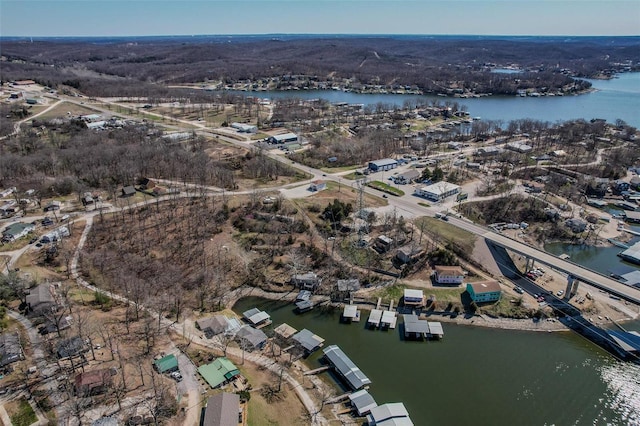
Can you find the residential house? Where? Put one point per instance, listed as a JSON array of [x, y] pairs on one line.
[[449, 275], [88, 198], [16, 231], [212, 326], [408, 253], [219, 372], [383, 244], [576, 225], [393, 413], [10, 349], [128, 191], [488, 151], [40, 300], [166, 364], [413, 297], [146, 183], [71, 347], [484, 291], [8, 209], [308, 281], [619, 186], [93, 382], [251, 338], [349, 285], [520, 147], [317, 185], [53, 205], [222, 409]]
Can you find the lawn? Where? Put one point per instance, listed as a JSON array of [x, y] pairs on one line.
[[21, 413], [381, 186], [446, 232]]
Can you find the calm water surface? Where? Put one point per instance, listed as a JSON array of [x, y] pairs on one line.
[[479, 376], [618, 98]]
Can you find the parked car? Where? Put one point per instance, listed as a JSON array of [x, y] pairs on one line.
[[176, 375], [560, 292]]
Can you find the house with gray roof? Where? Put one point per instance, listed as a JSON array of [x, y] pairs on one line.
[[212, 326], [393, 413], [10, 349], [40, 300], [251, 338], [222, 409], [16, 230]]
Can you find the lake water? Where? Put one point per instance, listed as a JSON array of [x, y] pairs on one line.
[[618, 98], [479, 376]]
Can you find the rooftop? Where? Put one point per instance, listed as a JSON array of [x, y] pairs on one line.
[[352, 374], [362, 401], [218, 372], [485, 286], [222, 410], [308, 340]]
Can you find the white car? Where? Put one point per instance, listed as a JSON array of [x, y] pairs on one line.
[[176, 375], [560, 292]]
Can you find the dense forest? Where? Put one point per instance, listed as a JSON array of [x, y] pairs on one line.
[[433, 65]]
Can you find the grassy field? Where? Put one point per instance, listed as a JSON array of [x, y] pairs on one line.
[[447, 232], [66, 109], [381, 186], [21, 413]]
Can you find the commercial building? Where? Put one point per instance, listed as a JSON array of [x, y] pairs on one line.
[[382, 165], [283, 138], [437, 191], [484, 291], [244, 128], [407, 177]]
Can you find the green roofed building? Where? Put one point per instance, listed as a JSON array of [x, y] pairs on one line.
[[166, 364], [219, 372]]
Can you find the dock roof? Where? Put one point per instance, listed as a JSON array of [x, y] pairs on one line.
[[350, 311], [352, 374], [436, 328], [255, 316], [285, 330], [308, 340], [412, 324], [362, 401], [375, 316], [388, 317], [392, 410]]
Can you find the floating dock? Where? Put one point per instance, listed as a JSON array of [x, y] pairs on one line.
[[374, 318], [617, 243], [389, 320], [351, 313]]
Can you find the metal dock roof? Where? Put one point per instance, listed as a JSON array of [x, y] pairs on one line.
[[345, 367]]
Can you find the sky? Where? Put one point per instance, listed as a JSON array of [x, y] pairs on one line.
[[37, 18]]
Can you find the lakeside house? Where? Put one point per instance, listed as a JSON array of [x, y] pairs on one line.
[[309, 281], [484, 291], [212, 326], [220, 372], [93, 382], [16, 231], [413, 297], [222, 409], [449, 274], [251, 338]]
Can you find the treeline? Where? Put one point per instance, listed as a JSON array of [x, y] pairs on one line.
[[67, 158], [427, 64]]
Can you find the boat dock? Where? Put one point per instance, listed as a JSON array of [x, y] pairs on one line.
[[374, 317], [617, 243], [351, 313], [316, 371], [389, 319]]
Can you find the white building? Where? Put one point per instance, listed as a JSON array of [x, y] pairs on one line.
[[449, 274], [438, 191], [244, 128]]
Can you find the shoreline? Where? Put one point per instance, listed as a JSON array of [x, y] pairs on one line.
[[476, 321]]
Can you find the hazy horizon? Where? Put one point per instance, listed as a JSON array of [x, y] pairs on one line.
[[156, 18]]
